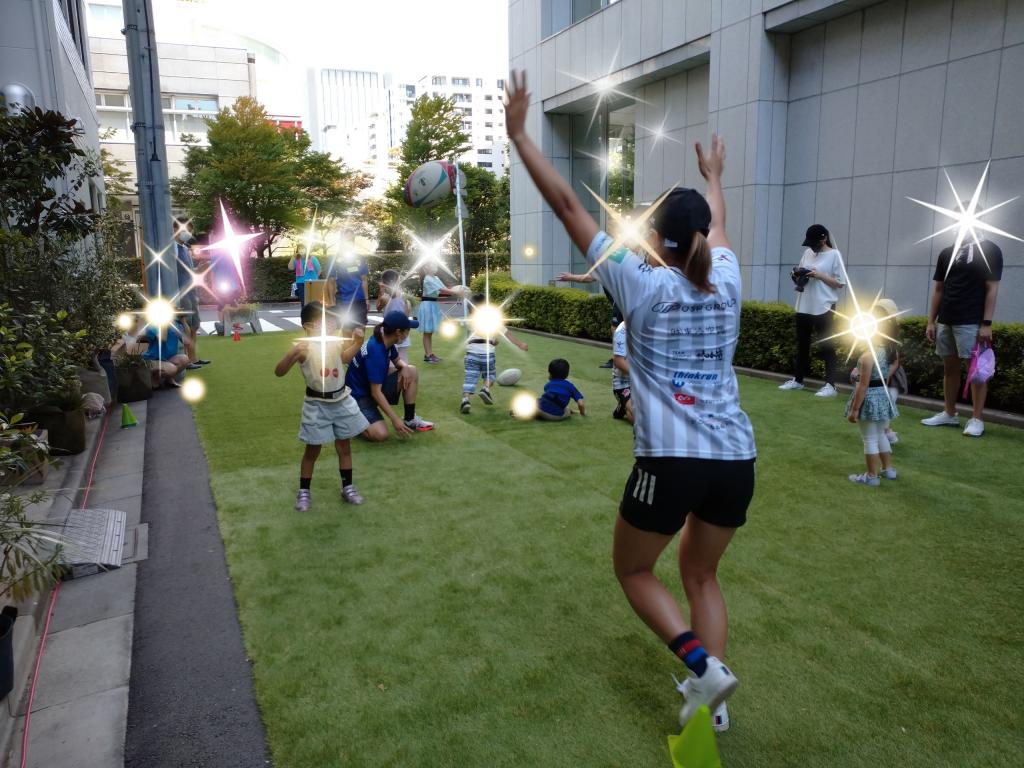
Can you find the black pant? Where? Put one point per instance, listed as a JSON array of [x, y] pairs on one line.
[[821, 326]]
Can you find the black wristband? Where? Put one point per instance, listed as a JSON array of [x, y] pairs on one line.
[[986, 323]]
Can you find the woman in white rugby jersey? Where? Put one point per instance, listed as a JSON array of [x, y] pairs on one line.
[[694, 444]]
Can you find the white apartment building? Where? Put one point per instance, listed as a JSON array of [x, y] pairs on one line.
[[479, 99], [44, 62], [833, 112]]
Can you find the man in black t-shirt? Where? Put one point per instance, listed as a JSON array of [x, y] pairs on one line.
[[960, 316]]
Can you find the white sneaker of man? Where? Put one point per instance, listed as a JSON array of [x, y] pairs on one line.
[[710, 689], [941, 419], [792, 384], [828, 390], [719, 718], [974, 428]]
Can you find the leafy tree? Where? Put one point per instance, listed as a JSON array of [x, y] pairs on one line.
[[487, 199], [621, 159], [117, 179], [269, 178]]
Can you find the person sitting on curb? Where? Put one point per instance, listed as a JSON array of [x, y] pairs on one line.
[[163, 355], [959, 316], [376, 387]]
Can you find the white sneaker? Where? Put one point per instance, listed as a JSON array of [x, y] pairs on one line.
[[710, 689], [941, 419], [974, 428], [892, 437], [888, 474], [827, 391], [416, 424], [792, 384]]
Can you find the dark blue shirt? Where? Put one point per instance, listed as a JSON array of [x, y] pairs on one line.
[[369, 366], [349, 279], [556, 397]]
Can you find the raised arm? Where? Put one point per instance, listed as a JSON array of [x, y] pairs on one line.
[[711, 165], [555, 190]]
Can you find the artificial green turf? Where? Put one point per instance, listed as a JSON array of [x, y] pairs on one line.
[[467, 614]]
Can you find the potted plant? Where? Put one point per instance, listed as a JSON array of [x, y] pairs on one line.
[[64, 420], [24, 455], [30, 561], [134, 381]]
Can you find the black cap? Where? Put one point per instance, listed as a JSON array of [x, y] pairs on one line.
[[398, 320], [682, 213], [814, 234]]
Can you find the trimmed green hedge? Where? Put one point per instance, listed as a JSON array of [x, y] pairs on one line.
[[768, 338]]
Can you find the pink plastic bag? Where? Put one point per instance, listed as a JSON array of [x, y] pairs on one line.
[[982, 368]]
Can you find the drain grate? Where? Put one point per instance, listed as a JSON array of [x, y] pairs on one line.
[[94, 537]]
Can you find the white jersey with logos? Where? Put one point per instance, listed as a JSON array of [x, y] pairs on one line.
[[681, 343], [620, 380], [324, 372]]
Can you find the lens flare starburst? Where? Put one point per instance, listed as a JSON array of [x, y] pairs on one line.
[[324, 340], [193, 389], [966, 220], [231, 243], [524, 406], [628, 230]]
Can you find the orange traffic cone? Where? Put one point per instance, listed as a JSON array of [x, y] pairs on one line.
[[235, 336]]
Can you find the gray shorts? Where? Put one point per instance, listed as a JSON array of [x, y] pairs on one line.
[[324, 421], [955, 340]]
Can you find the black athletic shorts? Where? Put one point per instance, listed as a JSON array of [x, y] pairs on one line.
[[662, 491], [622, 397]]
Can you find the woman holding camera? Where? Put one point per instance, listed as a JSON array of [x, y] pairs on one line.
[[817, 281]]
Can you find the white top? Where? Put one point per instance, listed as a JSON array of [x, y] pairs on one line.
[[326, 376], [432, 285], [397, 302], [681, 344], [619, 379], [818, 298]]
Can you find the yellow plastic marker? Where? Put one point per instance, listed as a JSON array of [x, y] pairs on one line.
[[127, 417], [695, 747]]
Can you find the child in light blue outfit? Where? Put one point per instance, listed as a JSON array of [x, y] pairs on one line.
[[873, 408], [429, 312]]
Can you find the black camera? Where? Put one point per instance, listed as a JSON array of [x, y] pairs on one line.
[[801, 277]]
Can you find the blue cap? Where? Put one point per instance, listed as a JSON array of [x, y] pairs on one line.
[[396, 319]]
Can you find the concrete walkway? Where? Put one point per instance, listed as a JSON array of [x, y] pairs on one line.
[[81, 695]]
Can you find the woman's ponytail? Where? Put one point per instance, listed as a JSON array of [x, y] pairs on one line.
[[698, 264]]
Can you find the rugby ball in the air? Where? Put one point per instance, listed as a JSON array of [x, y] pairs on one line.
[[430, 184], [509, 376]]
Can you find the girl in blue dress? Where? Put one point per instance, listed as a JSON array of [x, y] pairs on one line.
[[872, 408], [429, 312]]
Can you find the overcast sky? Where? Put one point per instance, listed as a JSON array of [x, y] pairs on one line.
[[406, 37]]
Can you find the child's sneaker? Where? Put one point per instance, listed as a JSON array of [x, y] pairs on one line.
[[710, 689], [792, 384], [433, 359], [485, 395], [303, 500], [419, 425], [865, 479], [889, 474], [828, 390], [351, 495], [464, 408]]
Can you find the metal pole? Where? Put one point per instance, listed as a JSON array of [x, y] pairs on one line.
[[462, 243], [150, 149]]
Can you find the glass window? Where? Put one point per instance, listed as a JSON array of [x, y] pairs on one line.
[[488, 97], [484, 151], [410, 91], [488, 125], [165, 102], [460, 81], [114, 124], [488, 137], [438, 81], [501, 85], [467, 125], [196, 103], [488, 111], [485, 165], [479, 82]]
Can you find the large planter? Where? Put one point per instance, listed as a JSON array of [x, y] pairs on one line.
[[134, 384], [7, 617], [66, 429]]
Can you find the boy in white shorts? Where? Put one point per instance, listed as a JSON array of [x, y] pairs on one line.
[[329, 412]]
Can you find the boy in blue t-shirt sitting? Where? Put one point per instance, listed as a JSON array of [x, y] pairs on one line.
[[553, 405]]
